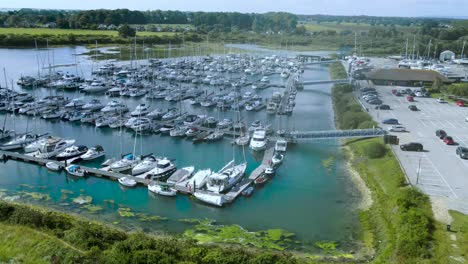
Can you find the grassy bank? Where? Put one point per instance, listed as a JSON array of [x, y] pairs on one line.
[[32, 235]]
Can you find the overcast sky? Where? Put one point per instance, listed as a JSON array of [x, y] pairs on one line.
[[452, 8]]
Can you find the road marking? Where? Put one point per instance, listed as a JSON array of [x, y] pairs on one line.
[[445, 181]]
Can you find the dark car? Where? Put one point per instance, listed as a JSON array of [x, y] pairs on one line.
[[375, 102], [449, 140], [413, 108], [441, 133], [413, 146], [383, 107], [398, 94], [462, 152], [390, 121]]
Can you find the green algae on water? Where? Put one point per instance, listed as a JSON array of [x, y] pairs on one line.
[[92, 208], [83, 199], [328, 163], [328, 247], [36, 196], [150, 218], [206, 232], [126, 212]]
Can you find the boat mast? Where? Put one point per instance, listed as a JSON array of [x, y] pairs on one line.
[[406, 51]]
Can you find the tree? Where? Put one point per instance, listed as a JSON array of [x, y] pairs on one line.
[[125, 31]]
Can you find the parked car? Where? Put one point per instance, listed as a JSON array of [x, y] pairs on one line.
[[413, 146], [441, 134], [449, 140], [390, 121], [383, 107], [441, 100], [462, 152], [394, 91], [461, 103], [375, 102], [397, 128], [398, 94], [413, 108], [419, 94], [410, 98]]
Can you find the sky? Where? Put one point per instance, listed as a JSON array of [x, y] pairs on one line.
[[413, 8]]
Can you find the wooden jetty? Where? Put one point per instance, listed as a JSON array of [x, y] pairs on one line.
[[141, 179], [91, 171]]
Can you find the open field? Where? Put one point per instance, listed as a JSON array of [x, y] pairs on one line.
[[57, 31], [313, 27]]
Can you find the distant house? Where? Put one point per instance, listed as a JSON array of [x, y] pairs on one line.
[[51, 25], [102, 27], [405, 77], [112, 27]]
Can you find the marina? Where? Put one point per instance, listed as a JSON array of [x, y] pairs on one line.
[[290, 175]]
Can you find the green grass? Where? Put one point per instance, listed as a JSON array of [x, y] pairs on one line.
[[78, 32], [313, 27], [20, 244]]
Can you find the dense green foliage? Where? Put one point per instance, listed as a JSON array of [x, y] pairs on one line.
[[373, 20], [349, 113], [91, 242], [376, 150], [207, 21], [457, 89], [126, 31]]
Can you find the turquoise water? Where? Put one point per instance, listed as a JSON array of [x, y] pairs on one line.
[[314, 202]]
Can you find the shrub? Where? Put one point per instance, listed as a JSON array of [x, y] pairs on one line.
[[375, 150]]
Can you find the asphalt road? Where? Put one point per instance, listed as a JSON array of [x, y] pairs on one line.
[[437, 171]]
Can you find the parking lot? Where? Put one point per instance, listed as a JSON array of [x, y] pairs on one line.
[[438, 171]]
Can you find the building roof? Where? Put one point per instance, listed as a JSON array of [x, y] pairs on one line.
[[406, 75]]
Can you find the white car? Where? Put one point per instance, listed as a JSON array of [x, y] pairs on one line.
[[441, 100], [397, 128]]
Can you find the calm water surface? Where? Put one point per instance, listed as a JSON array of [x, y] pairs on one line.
[[304, 197]]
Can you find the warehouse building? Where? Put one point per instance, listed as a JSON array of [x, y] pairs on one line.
[[405, 77]]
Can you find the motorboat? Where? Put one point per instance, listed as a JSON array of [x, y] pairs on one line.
[[226, 178], [72, 152], [53, 114], [52, 147], [140, 110], [277, 158], [201, 136], [171, 114], [261, 180], [157, 113], [259, 140], [162, 189], [93, 105], [142, 125], [35, 145], [127, 162], [214, 136], [90, 117], [104, 121], [148, 163], [281, 145], [164, 168], [166, 128], [181, 175], [192, 132], [93, 153], [197, 181], [119, 122], [225, 123], [178, 131], [75, 170], [212, 199], [269, 171], [75, 103], [96, 87], [114, 106], [255, 125], [74, 116], [54, 166], [19, 141], [127, 181], [242, 140]]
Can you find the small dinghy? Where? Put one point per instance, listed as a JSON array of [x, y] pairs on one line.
[[127, 182], [54, 166], [277, 158], [163, 190], [75, 170], [260, 181]]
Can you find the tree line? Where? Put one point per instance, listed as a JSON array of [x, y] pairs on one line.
[[90, 19]]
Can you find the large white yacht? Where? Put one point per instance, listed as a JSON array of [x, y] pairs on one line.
[[227, 177], [164, 168], [126, 163], [146, 165], [259, 140], [19, 141], [140, 110], [52, 147]]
